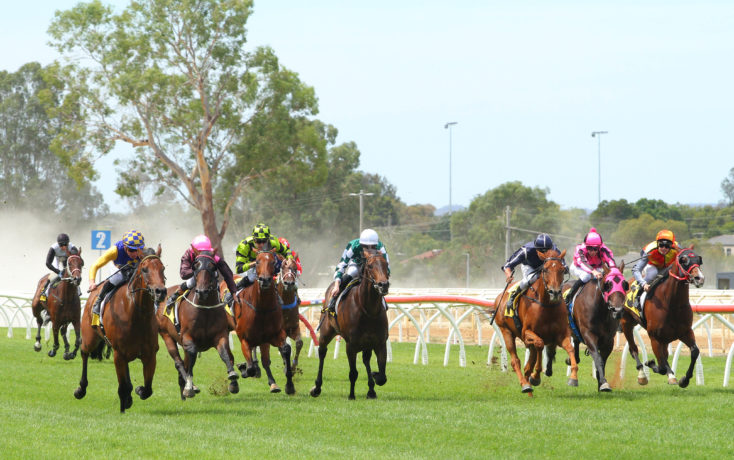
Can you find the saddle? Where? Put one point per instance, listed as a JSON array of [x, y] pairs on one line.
[[347, 288]]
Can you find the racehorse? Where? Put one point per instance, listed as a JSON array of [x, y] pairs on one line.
[[63, 305], [597, 310], [259, 319], [361, 320], [203, 325], [130, 327], [544, 320], [668, 316], [288, 291]]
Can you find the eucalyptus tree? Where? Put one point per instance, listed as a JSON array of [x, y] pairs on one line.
[[176, 81]]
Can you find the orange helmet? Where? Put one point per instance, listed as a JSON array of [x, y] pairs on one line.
[[665, 235]]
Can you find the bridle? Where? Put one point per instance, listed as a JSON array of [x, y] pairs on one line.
[[139, 274], [76, 279], [380, 287], [207, 263], [692, 262]]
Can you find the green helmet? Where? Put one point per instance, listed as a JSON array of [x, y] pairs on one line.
[[261, 232]]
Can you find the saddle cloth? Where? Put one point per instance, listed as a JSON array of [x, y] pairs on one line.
[[629, 300], [510, 311]]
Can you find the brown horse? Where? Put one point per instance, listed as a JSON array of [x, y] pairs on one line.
[[288, 291], [63, 306], [597, 309], [544, 319], [260, 322], [668, 316], [131, 328], [362, 321], [203, 325]]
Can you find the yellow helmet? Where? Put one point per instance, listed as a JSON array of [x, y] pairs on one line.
[[665, 235]]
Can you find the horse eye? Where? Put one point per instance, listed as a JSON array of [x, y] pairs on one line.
[[144, 270], [684, 260]]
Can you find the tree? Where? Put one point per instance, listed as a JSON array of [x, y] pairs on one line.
[[173, 80], [31, 176], [727, 187]]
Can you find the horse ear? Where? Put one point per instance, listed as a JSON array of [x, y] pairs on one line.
[[563, 254], [621, 267], [218, 250], [158, 252]]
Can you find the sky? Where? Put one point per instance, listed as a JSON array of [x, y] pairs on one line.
[[527, 82]]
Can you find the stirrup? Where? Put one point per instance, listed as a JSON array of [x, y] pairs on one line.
[[42, 298]]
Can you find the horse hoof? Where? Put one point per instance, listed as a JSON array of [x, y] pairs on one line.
[[573, 382], [256, 373], [231, 376], [642, 381], [37, 346], [274, 388], [605, 387], [196, 390], [371, 395], [51, 353], [351, 398], [79, 393], [549, 372], [290, 389], [534, 382], [67, 356], [568, 361], [189, 393], [684, 382], [128, 403], [142, 392], [315, 392], [234, 388], [674, 381], [380, 379], [527, 389]]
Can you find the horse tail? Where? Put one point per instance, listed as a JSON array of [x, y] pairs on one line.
[[97, 352]]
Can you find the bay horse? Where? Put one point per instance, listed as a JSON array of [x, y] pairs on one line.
[[668, 316], [203, 325], [131, 328], [361, 320], [288, 291], [259, 318], [544, 321], [63, 305], [597, 309]]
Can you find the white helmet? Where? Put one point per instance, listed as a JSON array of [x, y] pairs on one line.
[[368, 237]]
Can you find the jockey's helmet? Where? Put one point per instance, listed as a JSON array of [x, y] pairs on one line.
[[665, 235], [368, 237], [201, 243], [261, 232], [543, 241], [133, 240], [593, 238], [62, 239]]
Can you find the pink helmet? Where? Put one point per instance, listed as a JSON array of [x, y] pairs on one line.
[[202, 243], [592, 238]]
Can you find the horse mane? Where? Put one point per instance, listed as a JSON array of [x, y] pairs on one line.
[[149, 251]]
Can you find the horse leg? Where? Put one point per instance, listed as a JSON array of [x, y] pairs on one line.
[[605, 349], [66, 341], [81, 391], [573, 380], [265, 358], [52, 351], [77, 339], [627, 328], [366, 356], [550, 350], [149, 363], [226, 355], [381, 355], [299, 345], [246, 369], [515, 361], [37, 345], [327, 334], [124, 387], [285, 353], [601, 381], [690, 340], [178, 363], [353, 373], [661, 353], [535, 363], [189, 361]]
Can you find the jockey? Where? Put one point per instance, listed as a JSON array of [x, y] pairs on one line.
[[588, 259], [199, 243], [351, 262], [654, 257], [125, 254], [530, 263], [61, 250], [260, 240], [296, 257]]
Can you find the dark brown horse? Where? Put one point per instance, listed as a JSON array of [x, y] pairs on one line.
[[597, 309], [668, 316], [63, 306], [544, 320], [259, 319], [288, 291], [130, 326], [203, 325], [362, 321]]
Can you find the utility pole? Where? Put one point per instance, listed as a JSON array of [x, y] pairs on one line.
[[361, 194], [597, 134], [467, 269], [507, 232]]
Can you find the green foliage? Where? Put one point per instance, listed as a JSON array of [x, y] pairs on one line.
[[642, 230], [727, 187]]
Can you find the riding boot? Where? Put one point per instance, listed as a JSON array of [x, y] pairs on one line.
[[638, 294], [244, 282], [511, 299], [346, 279], [44, 296], [106, 288], [572, 292], [172, 300]]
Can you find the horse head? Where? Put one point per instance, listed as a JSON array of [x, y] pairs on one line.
[[615, 289], [265, 268], [205, 273], [689, 267], [288, 273], [74, 266], [150, 273], [553, 272], [375, 270]]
